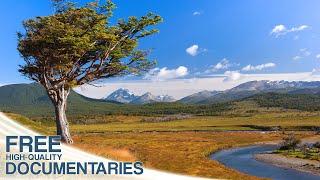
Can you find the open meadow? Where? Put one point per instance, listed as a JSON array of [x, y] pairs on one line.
[[182, 145], [198, 89]]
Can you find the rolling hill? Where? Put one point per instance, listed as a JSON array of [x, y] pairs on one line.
[[32, 99], [199, 97], [305, 102]]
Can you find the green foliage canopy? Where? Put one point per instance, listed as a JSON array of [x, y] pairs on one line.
[[79, 45]]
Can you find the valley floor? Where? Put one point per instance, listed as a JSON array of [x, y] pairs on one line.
[[180, 146], [179, 152]]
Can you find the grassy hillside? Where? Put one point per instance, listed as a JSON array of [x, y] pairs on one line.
[[31, 100], [199, 97], [228, 96], [305, 102]]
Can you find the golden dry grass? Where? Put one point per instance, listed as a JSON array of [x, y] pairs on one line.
[[181, 146], [179, 152]]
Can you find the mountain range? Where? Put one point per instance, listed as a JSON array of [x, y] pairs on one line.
[[252, 88], [208, 97], [32, 100], [125, 96]]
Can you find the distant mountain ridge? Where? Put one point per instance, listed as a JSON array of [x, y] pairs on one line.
[[121, 95], [252, 88], [266, 85], [31, 100], [125, 96], [241, 91], [200, 96]]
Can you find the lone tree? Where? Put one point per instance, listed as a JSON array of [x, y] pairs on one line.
[[78, 45]]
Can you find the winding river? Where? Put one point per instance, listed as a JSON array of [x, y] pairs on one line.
[[242, 160]]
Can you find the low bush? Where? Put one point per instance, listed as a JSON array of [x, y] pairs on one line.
[[289, 143]]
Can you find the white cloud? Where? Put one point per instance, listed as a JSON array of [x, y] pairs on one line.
[[203, 50], [296, 58], [300, 28], [318, 56], [281, 29], [232, 76], [165, 73], [258, 67], [196, 13], [278, 29], [193, 50], [305, 52], [315, 72], [222, 65]]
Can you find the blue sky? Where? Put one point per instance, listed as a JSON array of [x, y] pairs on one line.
[[225, 38]]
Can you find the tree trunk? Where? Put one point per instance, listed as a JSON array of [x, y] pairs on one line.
[[59, 100]]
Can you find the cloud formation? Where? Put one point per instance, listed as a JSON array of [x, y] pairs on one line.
[[232, 76], [193, 50], [305, 52], [278, 29], [295, 58], [196, 13], [258, 67], [165, 73], [281, 29], [223, 64], [315, 72], [318, 56]]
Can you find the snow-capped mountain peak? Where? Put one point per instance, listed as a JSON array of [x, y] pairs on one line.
[[266, 85], [125, 96], [165, 98], [121, 95]]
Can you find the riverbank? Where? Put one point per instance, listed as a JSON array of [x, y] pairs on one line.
[[243, 160], [309, 166], [305, 165]]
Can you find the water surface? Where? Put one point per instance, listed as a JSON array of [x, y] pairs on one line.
[[242, 160]]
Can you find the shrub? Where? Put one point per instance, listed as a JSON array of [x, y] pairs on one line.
[[166, 118], [289, 143], [316, 145]]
